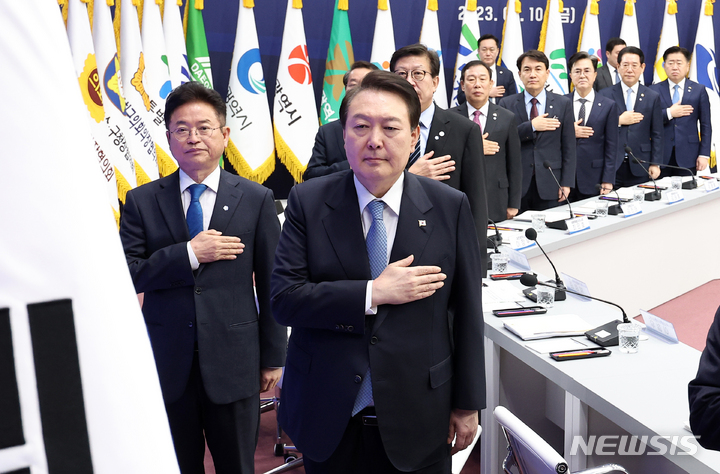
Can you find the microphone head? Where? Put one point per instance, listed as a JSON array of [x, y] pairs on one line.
[[546, 164], [531, 233], [598, 186], [628, 150], [528, 279]]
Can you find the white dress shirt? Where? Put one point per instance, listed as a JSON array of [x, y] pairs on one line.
[[483, 114], [634, 94], [207, 202], [681, 91]]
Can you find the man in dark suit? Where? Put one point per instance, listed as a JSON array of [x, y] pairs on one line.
[[685, 108], [546, 134], [596, 130], [214, 351], [704, 392], [608, 74], [641, 124], [501, 143], [381, 377], [444, 135], [489, 49], [328, 154]]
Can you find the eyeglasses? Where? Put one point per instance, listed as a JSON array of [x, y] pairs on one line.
[[417, 75], [182, 133]]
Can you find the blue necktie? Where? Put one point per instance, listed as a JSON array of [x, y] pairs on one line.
[[376, 243], [628, 101], [617, 77], [194, 212], [676, 94]]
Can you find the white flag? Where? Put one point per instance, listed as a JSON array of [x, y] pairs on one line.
[[629, 28], [468, 45], [703, 69], [590, 32], [552, 43], [80, 388], [175, 43], [251, 149], [108, 155], [157, 83], [668, 38], [512, 40], [383, 45], [137, 100], [295, 117], [430, 37]]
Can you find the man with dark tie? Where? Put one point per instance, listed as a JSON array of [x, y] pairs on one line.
[[547, 134], [501, 143], [596, 130], [195, 241], [685, 110], [378, 273], [444, 135], [640, 120], [607, 74]]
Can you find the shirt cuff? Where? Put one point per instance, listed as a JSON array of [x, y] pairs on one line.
[[669, 114], [369, 308], [194, 264]]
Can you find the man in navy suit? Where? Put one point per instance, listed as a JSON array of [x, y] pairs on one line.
[[704, 391], [546, 133], [213, 349], [641, 124], [685, 108], [596, 130], [608, 74], [378, 273]]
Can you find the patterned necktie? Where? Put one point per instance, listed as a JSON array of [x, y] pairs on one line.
[[617, 77], [534, 109], [415, 154], [194, 212], [376, 243], [676, 94], [628, 101], [581, 114], [476, 119]]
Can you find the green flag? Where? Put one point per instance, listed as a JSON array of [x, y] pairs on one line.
[[339, 59], [197, 50]]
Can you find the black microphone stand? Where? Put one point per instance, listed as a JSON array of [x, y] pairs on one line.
[[655, 195], [559, 225]]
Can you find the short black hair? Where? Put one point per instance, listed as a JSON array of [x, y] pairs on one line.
[[538, 56], [194, 92], [473, 63], [631, 50], [613, 43], [582, 55], [359, 65], [417, 49], [488, 36], [677, 49], [386, 82]]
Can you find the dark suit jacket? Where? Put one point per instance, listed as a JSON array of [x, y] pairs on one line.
[[704, 392], [424, 361], [603, 78], [646, 137], [328, 155], [234, 341], [505, 78], [503, 170], [682, 132], [557, 146], [597, 155]]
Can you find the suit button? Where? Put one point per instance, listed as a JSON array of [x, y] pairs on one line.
[[190, 324], [337, 326], [198, 290], [342, 326], [349, 328], [373, 340], [358, 379]]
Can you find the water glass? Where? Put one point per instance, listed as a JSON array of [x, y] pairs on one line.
[[676, 182], [629, 335], [545, 296], [601, 210], [499, 262], [638, 194], [538, 221]]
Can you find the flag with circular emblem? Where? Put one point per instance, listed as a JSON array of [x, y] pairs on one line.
[[468, 45], [383, 45], [590, 31], [175, 43], [339, 59], [552, 43]]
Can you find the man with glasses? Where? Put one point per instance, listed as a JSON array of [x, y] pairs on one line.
[[640, 120], [195, 242], [596, 130], [445, 137]]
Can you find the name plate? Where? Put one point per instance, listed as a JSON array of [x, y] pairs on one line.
[[674, 195], [516, 258], [659, 327], [577, 224], [573, 284], [521, 243], [631, 208], [711, 185]]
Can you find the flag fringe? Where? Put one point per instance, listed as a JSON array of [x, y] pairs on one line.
[[383, 5], [709, 7], [582, 32], [288, 158], [117, 217], [122, 185], [199, 4], [672, 7], [432, 5], [297, 4], [116, 27], [342, 5], [543, 31], [166, 165], [141, 175], [259, 175], [629, 7], [594, 7], [472, 5], [561, 7], [249, 3]]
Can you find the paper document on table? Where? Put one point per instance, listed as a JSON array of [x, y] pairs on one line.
[[500, 294], [550, 216], [558, 344], [543, 327]]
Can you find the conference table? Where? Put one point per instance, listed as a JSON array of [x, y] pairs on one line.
[[639, 262]]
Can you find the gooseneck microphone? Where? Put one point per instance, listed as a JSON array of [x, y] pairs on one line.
[[687, 184], [615, 209], [546, 164], [655, 195], [605, 335], [497, 237], [531, 234]]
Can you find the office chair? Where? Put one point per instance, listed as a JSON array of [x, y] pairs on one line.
[[528, 453]]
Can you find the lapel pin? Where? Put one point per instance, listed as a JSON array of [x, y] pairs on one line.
[[437, 138], [551, 106], [442, 134], [422, 223], [225, 208]]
